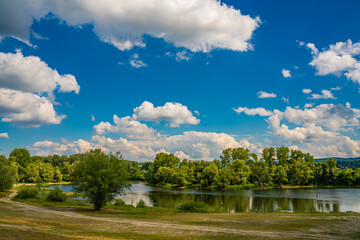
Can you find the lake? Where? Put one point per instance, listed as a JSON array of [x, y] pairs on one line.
[[318, 200]]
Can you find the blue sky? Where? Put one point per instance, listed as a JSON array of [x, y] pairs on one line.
[[190, 78]]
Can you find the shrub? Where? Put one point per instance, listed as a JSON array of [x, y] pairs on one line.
[[29, 192], [56, 195], [119, 202], [141, 204], [191, 206]]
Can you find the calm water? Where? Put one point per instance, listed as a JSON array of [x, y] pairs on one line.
[[320, 200]]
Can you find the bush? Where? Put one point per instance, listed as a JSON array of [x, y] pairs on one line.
[[30, 192], [56, 195], [119, 202], [141, 204], [191, 206]]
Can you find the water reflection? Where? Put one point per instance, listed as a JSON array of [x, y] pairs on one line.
[[308, 200]]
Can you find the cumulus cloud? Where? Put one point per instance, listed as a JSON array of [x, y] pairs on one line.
[[198, 25], [326, 94], [175, 113], [253, 111], [286, 73], [131, 128], [30, 74], [27, 88], [4, 135], [338, 59], [320, 130], [190, 145], [27, 109], [262, 94], [47, 147]]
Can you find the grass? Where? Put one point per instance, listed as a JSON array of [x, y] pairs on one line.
[[129, 222], [17, 223]]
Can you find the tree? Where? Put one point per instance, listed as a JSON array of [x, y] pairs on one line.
[[282, 155], [21, 155], [231, 154], [100, 177], [269, 155], [7, 174]]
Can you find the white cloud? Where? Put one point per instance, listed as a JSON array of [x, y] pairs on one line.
[[335, 89], [131, 128], [30, 74], [175, 113], [38, 36], [27, 109], [262, 94], [319, 130], [286, 100], [92, 118], [136, 62], [307, 91], [308, 105], [286, 73], [4, 135], [198, 25], [340, 58], [253, 111], [27, 88], [190, 145], [308, 133], [54, 146], [183, 56], [181, 155], [326, 94]]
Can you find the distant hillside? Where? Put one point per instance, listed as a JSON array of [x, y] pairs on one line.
[[338, 159], [343, 163]]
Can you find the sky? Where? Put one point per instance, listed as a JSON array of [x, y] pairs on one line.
[[189, 77]]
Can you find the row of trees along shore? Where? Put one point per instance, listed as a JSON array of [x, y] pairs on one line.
[[236, 167]]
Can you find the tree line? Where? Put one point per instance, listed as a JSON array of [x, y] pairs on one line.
[[236, 167]]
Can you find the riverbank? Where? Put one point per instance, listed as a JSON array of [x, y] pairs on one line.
[[24, 221]]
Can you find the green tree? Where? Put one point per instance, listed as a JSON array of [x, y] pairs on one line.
[[269, 155], [7, 174], [347, 176], [282, 155], [231, 154], [57, 174], [162, 160], [22, 156], [100, 177]]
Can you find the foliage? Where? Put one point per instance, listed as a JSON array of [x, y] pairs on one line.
[[239, 167], [119, 202], [101, 177], [56, 195], [141, 204], [30, 192], [191, 206], [8, 172]]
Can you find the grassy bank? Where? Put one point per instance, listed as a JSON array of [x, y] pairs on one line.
[[69, 220]]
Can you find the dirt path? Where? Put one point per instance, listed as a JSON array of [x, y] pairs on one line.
[[156, 225]]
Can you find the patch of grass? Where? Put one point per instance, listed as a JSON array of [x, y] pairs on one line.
[[190, 206], [4, 194]]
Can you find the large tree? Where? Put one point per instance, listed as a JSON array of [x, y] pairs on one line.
[[101, 177]]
